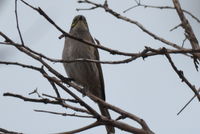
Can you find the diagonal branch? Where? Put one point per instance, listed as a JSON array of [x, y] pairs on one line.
[[182, 77], [187, 103], [105, 120], [69, 100], [116, 109], [4, 131], [186, 25], [7, 39], [95, 124]]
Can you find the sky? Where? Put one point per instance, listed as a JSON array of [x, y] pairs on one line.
[[148, 88]]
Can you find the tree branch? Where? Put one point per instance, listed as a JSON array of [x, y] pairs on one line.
[[187, 103], [186, 26], [4, 131], [182, 77], [46, 101], [119, 16], [18, 29], [95, 124], [139, 4], [64, 114]]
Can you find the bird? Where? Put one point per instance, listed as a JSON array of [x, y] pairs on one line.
[[87, 74]]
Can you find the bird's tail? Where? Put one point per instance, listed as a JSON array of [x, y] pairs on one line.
[[104, 112]]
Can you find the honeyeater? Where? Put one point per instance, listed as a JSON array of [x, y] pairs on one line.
[[87, 74]]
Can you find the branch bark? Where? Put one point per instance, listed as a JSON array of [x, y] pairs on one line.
[[186, 26]]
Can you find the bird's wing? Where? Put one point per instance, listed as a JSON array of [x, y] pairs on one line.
[[96, 53]]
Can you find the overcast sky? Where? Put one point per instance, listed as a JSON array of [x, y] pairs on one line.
[[147, 88]]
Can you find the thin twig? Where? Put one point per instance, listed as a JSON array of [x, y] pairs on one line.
[[46, 101], [138, 4], [184, 41], [175, 27], [17, 21], [78, 9], [63, 114], [56, 90], [120, 117], [95, 124], [35, 92], [187, 103], [69, 100], [20, 64]]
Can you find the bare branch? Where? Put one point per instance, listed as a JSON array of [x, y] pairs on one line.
[[138, 4], [18, 29], [184, 41], [116, 109], [106, 120], [46, 101], [7, 39], [20, 64], [78, 9], [186, 25], [187, 103], [69, 100], [4, 131], [95, 124], [175, 27], [35, 92], [64, 114], [182, 77], [119, 16]]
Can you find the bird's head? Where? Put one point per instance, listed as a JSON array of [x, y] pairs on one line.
[[79, 23]]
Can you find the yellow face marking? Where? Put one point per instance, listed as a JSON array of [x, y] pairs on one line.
[[79, 19], [75, 21]]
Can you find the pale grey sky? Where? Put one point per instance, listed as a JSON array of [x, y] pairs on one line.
[[147, 88]]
